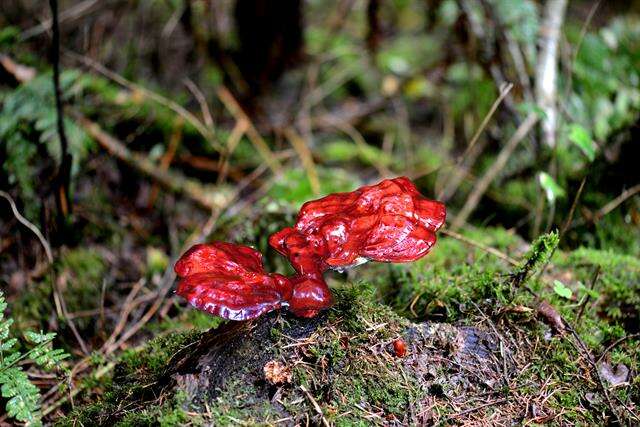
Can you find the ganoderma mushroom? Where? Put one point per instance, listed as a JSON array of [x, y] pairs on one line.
[[387, 222]]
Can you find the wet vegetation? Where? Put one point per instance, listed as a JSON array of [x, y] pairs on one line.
[[191, 121]]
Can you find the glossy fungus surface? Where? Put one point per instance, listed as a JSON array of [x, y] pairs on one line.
[[387, 222], [229, 281]]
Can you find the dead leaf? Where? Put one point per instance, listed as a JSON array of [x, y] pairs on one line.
[[614, 376], [552, 316], [276, 372]]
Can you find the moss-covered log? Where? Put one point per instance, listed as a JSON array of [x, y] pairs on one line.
[[492, 358]]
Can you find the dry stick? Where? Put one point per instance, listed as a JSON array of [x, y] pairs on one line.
[[486, 248], [315, 404], [128, 306], [459, 173], [626, 194], [167, 158], [63, 174], [209, 198], [582, 348], [238, 131], [482, 185], [206, 112], [24, 221], [572, 211], [254, 136], [547, 69], [62, 312], [609, 207], [74, 12], [565, 226], [306, 157], [592, 284], [615, 344], [206, 132]]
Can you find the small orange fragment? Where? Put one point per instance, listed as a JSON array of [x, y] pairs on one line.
[[400, 347], [276, 372]]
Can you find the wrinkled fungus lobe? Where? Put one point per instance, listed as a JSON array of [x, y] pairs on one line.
[[387, 222]]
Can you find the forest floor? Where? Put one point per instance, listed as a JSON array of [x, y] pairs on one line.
[[526, 311]]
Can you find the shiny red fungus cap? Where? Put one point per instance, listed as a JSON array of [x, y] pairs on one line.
[[388, 222], [229, 281]]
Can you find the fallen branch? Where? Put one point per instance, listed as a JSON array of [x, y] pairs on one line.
[[207, 197]]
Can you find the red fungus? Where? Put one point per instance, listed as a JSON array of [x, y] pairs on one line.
[[388, 222], [229, 281], [400, 347]]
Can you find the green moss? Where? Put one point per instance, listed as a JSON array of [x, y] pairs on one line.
[[186, 319], [345, 362], [80, 274], [136, 379], [151, 362], [170, 414], [446, 283]]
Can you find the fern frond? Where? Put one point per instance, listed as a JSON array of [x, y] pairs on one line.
[[24, 397]]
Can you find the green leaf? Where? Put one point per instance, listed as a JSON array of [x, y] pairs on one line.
[[560, 289], [23, 403], [38, 338], [8, 345], [551, 187], [581, 138]]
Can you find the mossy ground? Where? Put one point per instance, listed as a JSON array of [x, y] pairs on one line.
[[478, 349]]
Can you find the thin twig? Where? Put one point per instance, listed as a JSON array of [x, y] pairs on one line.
[[615, 344], [315, 404], [22, 220], [127, 308], [209, 198], [572, 211], [63, 176], [72, 13], [609, 207], [462, 167], [197, 93], [488, 249], [254, 136], [623, 197], [306, 157], [592, 284], [238, 131], [205, 131], [483, 183]]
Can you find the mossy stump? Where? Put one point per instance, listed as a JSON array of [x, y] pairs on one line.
[[338, 368]]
